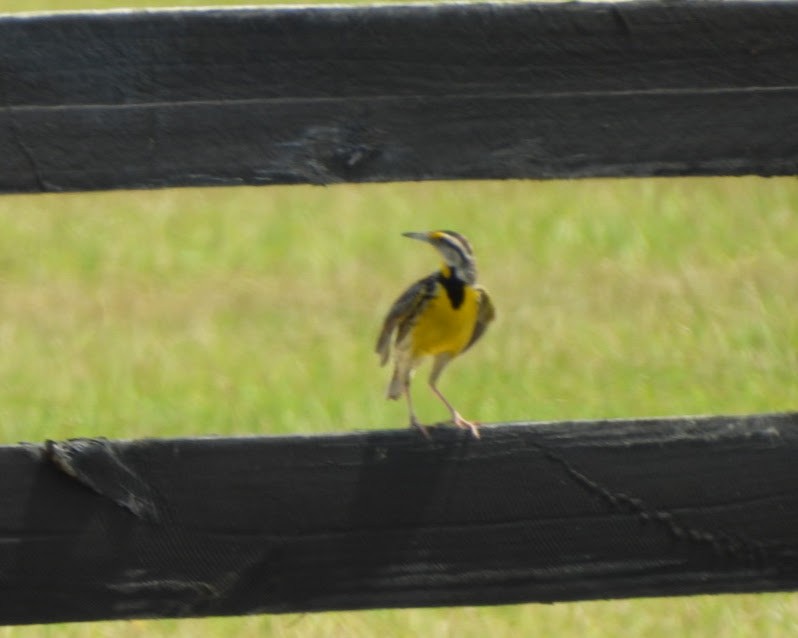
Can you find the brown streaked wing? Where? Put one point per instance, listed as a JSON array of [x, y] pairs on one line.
[[405, 307]]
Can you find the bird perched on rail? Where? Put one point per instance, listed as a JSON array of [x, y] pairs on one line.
[[441, 316]]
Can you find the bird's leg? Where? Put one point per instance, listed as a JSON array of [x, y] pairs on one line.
[[414, 422], [457, 418], [437, 367]]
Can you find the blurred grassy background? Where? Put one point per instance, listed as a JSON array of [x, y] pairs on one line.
[[244, 310], [236, 311]]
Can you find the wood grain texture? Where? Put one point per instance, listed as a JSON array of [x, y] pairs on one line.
[[96, 529], [385, 93]]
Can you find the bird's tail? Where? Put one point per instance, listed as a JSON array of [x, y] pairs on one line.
[[398, 384]]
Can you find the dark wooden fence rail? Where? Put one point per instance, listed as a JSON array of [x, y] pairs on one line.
[[321, 95], [533, 512]]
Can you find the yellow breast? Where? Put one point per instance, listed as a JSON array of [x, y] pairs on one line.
[[441, 328]]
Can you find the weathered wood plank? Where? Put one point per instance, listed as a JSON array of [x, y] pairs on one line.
[[532, 512], [328, 94]]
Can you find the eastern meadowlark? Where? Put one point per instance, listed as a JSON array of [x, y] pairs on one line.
[[441, 316]]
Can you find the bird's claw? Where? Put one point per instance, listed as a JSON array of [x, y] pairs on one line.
[[460, 422], [415, 424]]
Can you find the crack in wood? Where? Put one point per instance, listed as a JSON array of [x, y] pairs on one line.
[[95, 464], [723, 543]]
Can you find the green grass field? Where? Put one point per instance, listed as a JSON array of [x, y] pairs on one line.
[[239, 311]]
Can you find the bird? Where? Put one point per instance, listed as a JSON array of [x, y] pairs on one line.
[[440, 316]]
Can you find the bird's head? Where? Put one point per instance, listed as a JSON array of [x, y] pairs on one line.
[[458, 256]]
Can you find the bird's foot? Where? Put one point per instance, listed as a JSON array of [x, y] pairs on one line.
[[460, 422], [415, 424]]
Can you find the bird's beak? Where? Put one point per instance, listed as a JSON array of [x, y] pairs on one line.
[[420, 236]]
